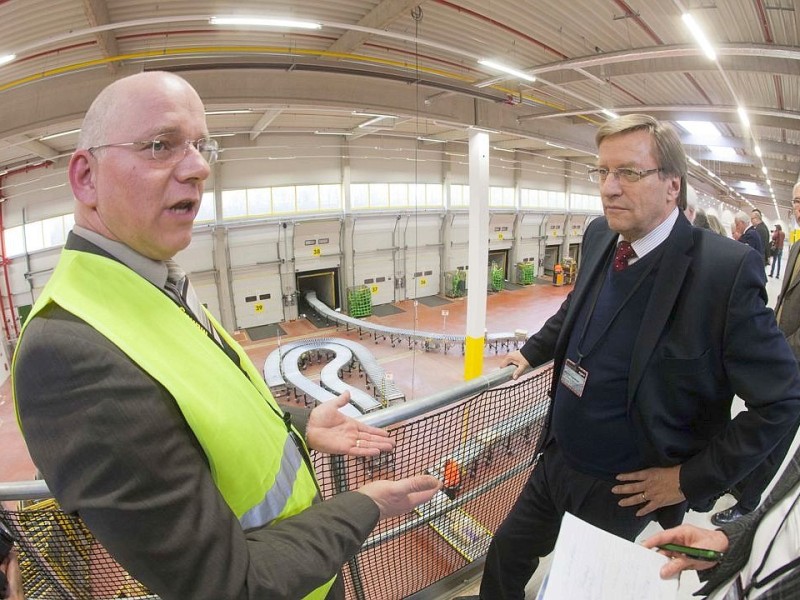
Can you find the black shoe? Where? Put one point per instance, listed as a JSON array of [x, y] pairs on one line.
[[729, 515], [467, 598]]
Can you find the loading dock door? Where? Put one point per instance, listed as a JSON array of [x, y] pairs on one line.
[[325, 282]]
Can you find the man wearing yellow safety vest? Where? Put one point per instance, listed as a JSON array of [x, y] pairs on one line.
[[145, 416]]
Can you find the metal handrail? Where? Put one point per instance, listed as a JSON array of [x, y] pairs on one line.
[[38, 490], [24, 490]]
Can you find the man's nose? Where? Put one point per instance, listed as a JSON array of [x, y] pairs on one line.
[[611, 185]]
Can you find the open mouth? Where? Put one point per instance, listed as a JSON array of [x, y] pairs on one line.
[[184, 207]]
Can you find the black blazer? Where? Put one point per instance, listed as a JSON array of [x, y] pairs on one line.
[[706, 335], [752, 238]]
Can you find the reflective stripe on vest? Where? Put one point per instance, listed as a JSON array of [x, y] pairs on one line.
[[274, 502], [235, 419]]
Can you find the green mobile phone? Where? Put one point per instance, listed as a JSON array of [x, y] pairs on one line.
[[698, 553]]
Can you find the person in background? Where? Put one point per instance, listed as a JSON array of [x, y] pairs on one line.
[[787, 308], [763, 232], [749, 490], [746, 233], [665, 324], [691, 210], [761, 550], [700, 219], [149, 420], [778, 238], [716, 226]]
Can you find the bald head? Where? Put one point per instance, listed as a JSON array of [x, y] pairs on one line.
[[138, 171], [120, 98]]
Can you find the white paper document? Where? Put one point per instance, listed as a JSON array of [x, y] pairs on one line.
[[592, 564]]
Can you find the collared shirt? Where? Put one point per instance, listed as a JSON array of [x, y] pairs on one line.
[[154, 271], [653, 239]]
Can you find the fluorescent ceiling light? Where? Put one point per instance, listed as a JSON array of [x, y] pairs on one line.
[[483, 129], [749, 186], [699, 36], [262, 22], [55, 135], [216, 135], [510, 70], [757, 150], [321, 132], [743, 116], [374, 120], [369, 114], [233, 111], [764, 170], [723, 153], [610, 114], [700, 128], [555, 145], [7, 58], [427, 139]]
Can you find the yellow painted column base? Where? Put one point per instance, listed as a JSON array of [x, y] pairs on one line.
[[473, 357]]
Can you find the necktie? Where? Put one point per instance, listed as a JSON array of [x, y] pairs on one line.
[[178, 285], [624, 254]]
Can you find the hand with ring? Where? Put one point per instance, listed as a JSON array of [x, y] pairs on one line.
[[331, 431], [662, 485]]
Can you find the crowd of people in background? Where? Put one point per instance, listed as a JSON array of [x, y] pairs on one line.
[[771, 243]]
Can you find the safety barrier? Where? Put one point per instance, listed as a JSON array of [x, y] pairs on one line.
[[488, 429]]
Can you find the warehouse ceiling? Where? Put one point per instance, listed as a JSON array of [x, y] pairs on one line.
[[393, 69]]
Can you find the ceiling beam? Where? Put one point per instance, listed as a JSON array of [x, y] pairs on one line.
[[266, 119], [97, 14], [378, 18], [33, 146]]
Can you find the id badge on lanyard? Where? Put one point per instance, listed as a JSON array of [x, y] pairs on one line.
[[574, 377]]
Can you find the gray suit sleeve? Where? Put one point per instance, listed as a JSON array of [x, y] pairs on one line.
[[113, 447]]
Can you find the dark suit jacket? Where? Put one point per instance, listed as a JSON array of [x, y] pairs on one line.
[[114, 447], [763, 233], [753, 239], [789, 303], [706, 334], [741, 533]]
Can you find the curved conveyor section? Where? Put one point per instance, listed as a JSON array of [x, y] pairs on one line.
[[282, 371], [425, 339]]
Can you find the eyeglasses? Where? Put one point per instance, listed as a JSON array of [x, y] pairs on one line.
[[165, 150], [624, 174]]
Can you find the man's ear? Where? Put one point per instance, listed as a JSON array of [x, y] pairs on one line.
[[82, 177], [674, 189]]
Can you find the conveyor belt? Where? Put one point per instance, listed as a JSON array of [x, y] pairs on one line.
[[425, 339], [283, 366]]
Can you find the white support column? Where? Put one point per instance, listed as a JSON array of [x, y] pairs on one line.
[[478, 252]]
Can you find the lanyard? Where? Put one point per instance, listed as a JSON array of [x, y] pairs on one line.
[[755, 583], [610, 322]]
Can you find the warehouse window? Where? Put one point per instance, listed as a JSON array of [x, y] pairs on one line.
[[264, 202], [38, 235]]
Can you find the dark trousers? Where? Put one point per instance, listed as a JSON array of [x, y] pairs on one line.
[[531, 528]]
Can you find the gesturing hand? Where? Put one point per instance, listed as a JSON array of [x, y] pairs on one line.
[[398, 497], [331, 431]]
